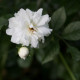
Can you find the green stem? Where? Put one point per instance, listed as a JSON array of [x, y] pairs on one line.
[[67, 67]]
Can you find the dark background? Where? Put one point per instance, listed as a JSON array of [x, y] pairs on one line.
[[14, 68]]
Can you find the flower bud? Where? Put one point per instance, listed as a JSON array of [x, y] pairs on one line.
[[23, 52]]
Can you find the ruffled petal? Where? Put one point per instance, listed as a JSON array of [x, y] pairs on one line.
[[44, 31], [22, 16], [37, 16], [25, 40], [44, 19], [34, 41], [29, 13], [9, 31], [15, 39]]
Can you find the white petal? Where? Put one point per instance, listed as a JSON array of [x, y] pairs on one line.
[[44, 31], [37, 16], [22, 15], [13, 22], [16, 37], [29, 13], [25, 40], [39, 11], [34, 41], [44, 19], [9, 31]]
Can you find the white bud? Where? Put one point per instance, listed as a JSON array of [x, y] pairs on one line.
[[23, 52]]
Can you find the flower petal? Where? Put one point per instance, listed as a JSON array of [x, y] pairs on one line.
[[44, 19], [15, 39], [34, 41], [44, 31], [25, 40], [37, 16], [9, 31], [29, 13], [22, 15]]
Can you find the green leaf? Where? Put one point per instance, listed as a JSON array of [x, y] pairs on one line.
[[46, 55], [26, 63], [72, 31], [52, 54], [3, 22], [40, 55], [58, 18], [75, 53]]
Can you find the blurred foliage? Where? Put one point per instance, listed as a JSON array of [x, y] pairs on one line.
[[45, 62]]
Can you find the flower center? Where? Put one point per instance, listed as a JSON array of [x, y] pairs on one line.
[[31, 28]]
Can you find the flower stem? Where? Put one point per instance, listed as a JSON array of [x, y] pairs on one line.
[[67, 67]]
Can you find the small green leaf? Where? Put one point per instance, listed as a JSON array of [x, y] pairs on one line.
[[40, 55], [3, 22], [72, 31], [58, 18], [48, 54], [52, 54], [74, 52]]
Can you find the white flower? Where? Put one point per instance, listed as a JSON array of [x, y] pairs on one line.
[[28, 27], [23, 52]]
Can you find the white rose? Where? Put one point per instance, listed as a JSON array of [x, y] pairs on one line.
[[28, 27], [23, 52]]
